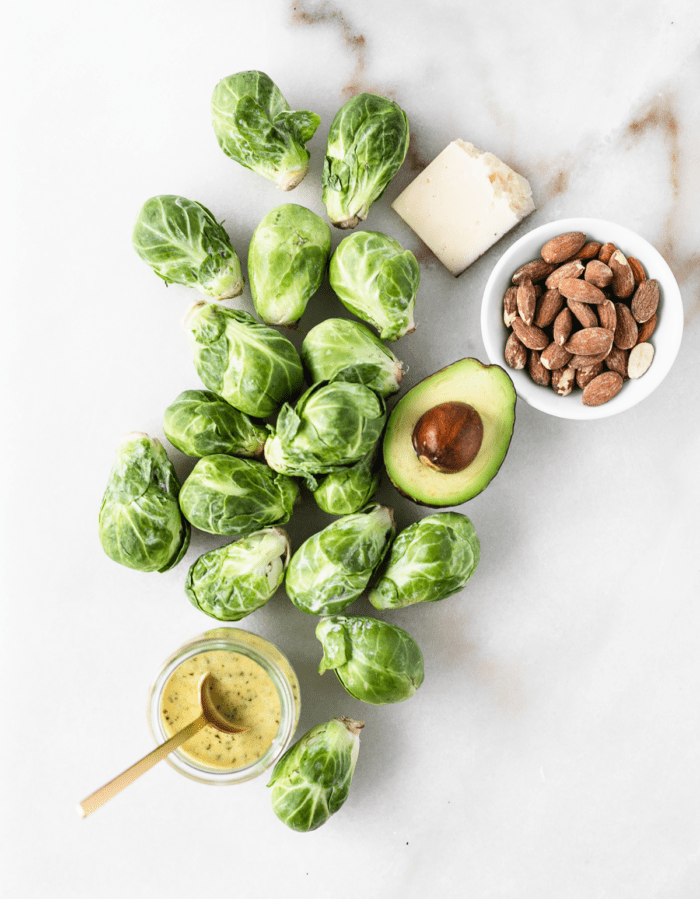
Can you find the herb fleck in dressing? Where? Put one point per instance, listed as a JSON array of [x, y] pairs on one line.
[[243, 692]]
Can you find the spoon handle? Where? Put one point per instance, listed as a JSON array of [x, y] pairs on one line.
[[99, 797]]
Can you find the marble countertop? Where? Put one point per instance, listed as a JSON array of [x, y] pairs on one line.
[[553, 748]]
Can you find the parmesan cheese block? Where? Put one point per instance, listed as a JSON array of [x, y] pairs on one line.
[[463, 202]]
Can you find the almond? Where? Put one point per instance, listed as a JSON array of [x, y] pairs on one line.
[[526, 300], [637, 270], [646, 329], [645, 300], [584, 313], [563, 324], [571, 270], [538, 372], [607, 315], [582, 362], [590, 250], [548, 307], [536, 270], [583, 291], [534, 338], [640, 360], [563, 380], [510, 306], [606, 252], [555, 356], [516, 352], [585, 375], [623, 278], [598, 273], [626, 328], [590, 342], [563, 247], [602, 388], [616, 360]]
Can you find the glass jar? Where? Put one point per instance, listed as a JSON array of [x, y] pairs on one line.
[[273, 663]]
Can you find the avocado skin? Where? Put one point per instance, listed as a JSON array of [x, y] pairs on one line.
[[436, 489]]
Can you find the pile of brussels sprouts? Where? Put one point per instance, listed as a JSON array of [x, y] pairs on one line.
[[249, 472]]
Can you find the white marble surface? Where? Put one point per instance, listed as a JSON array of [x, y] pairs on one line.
[[553, 749]]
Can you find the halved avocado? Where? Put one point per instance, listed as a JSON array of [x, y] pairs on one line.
[[486, 389]]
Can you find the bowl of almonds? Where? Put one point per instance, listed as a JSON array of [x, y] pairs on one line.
[[585, 315]]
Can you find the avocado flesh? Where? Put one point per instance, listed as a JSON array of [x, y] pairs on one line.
[[489, 389]]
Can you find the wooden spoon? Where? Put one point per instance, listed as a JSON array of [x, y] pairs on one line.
[[210, 715]]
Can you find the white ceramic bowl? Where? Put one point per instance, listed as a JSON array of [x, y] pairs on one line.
[[666, 338]]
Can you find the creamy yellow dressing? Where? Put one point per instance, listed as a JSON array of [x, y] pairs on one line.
[[244, 693]]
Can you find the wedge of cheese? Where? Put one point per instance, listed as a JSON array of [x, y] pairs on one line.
[[463, 202]]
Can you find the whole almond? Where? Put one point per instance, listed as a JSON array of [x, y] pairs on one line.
[[590, 342], [539, 374], [563, 325], [536, 270], [637, 270], [526, 300], [598, 273], [563, 380], [584, 313], [534, 338], [645, 300], [563, 247], [548, 306], [623, 277], [581, 362], [586, 375], [583, 291], [640, 359], [589, 250], [646, 329], [510, 306], [602, 388], [572, 269], [554, 356], [606, 252], [626, 328], [616, 360], [516, 352], [607, 315]]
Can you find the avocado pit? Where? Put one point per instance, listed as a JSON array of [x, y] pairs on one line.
[[447, 438]]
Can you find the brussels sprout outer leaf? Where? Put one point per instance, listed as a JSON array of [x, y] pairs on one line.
[[311, 781], [376, 662], [200, 423], [349, 489]]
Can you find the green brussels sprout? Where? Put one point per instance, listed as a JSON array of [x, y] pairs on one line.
[[339, 349], [287, 261], [140, 524], [377, 280], [367, 142], [312, 779], [349, 489], [332, 568], [334, 424], [232, 496], [232, 581], [200, 423], [184, 244], [255, 127], [430, 560], [376, 662], [252, 366]]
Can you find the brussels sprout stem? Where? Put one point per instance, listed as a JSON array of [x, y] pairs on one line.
[[292, 177]]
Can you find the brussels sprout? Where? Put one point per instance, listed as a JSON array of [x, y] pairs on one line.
[[333, 425], [430, 560], [140, 524], [232, 581], [184, 244], [255, 127], [252, 366], [339, 349], [287, 262], [367, 142], [312, 779], [377, 280], [231, 496], [332, 568], [350, 489], [376, 662], [200, 423]]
